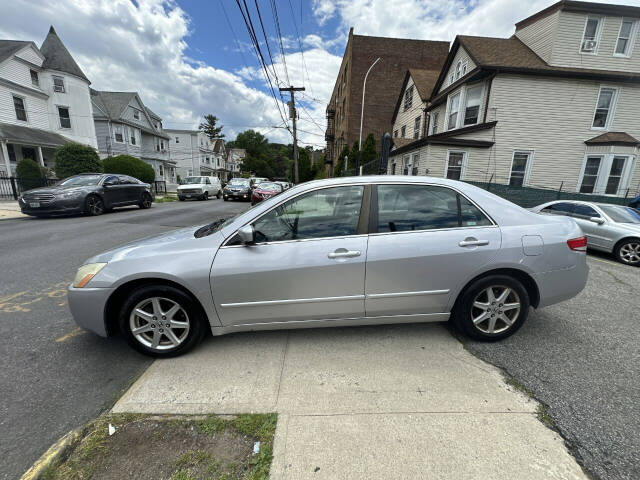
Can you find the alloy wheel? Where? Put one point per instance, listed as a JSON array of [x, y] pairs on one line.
[[495, 309], [630, 253], [95, 205], [159, 323], [146, 201]]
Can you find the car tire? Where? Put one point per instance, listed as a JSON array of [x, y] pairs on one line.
[[182, 338], [218, 195], [226, 199], [628, 252], [145, 201], [94, 206], [181, 199], [482, 316], [205, 196]]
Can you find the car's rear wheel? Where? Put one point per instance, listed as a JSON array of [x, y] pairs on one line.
[[161, 321], [94, 205], [628, 252], [145, 201], [492, 308]]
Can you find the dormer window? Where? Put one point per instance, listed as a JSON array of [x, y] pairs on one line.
[[136, 114], [35, 81], [58, 84], [625, 38], [591, 35]]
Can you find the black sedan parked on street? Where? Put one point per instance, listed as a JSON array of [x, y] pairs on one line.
[[87, 193]]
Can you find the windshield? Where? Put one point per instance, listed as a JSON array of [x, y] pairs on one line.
[[81, 180], [621, 214], [269, 186], [239, 181], [193, 180], [259, 180]]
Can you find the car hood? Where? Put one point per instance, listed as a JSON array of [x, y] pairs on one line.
[[191, 185], [58, 189], [174, 241]]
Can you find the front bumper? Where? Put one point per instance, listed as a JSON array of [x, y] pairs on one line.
[[56, 207], [192, 193], [88, 308], [238, 195]]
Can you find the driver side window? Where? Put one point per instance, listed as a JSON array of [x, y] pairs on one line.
[[330, 212]]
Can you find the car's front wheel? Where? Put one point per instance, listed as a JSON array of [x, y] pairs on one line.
[[492, 308], [94, 205], [628, 252], [161, 321], [205, 196], [145, 201]]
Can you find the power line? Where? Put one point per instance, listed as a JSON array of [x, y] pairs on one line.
[[276, 22], [304, 64]]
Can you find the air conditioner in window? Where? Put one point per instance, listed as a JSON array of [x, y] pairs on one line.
[[589, 45]]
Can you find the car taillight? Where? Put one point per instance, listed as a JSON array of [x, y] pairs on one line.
[[578, 244]]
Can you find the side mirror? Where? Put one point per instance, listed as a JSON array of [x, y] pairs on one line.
[[598, 220], [247, 235]]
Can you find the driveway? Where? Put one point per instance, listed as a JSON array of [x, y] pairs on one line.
[[582, 359], [54, 376]]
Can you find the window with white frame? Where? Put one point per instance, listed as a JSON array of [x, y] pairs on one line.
[[177, 139], [473, 98], [454, 107], [35, 80], [604, 107], [455, 165], [416, 128], [403, 131], [64, 117], [408, 98], [415, 159], [406, 161], [58, 84], [161, 170], [136, 114], [434, 123], [452, 78], [591, 35], [625, 38], [606, 174], [464, 69], [20, 108], [118, 134], [458, 69], [520, 164], [133, 135]]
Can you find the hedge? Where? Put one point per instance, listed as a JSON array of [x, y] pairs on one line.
[[30, 174], [74, 158], [128, 165]]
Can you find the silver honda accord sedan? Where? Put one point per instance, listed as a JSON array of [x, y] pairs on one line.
[[609, 228], [338, 252]]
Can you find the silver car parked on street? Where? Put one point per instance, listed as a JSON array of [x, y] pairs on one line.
[[338, 252], [609, 228]]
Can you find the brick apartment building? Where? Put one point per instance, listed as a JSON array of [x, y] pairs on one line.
[[384, 83]]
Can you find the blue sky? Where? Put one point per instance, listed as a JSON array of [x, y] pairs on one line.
[[183, 60]]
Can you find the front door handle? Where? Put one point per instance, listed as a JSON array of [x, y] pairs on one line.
[[344, 253], [473, 242]]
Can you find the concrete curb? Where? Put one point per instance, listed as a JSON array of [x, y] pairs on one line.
[[56, 452]]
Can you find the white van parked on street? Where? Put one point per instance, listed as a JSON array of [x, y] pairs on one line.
[[199, 187]]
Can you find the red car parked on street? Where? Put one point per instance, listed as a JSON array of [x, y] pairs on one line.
[[265, 190]]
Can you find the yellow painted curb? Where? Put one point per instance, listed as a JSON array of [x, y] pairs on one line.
[[55, 452]]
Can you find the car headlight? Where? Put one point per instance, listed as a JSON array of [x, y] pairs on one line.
[[71, 194], [86, 273]]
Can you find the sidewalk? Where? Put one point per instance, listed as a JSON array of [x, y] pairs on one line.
[[10, 209], [404, 401]]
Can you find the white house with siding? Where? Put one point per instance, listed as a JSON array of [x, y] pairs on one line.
[[196, 154], [554, 106], [125, 126], [44, 102]]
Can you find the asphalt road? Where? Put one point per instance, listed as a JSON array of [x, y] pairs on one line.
[[582, 359], [54, 376]]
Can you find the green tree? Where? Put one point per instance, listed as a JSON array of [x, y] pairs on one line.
[[256, 144], [369, 152], [209, 128], [319, 169], [338, 171], [74, 158], [30, 174], [304, 165], [128, 165]]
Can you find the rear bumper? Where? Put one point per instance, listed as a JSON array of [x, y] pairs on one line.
[[87, 307], [559, 285]]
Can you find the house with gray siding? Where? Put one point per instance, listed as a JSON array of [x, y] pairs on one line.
[[196, 154], [44, 102], [125, 126], [554, 106]]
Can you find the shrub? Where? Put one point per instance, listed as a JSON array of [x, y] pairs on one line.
[[74, 158], [30, 174], [128, 165]]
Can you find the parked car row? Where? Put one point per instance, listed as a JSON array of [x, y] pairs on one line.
[[254, 189]]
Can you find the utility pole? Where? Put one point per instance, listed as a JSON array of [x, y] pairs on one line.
[[293, 115]]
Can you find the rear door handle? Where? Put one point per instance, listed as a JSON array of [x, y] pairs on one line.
[[472, 242], [344, 253]]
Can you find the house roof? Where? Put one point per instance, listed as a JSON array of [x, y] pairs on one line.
[[30, 136], [9, 48], [513, 56], [424, 80], [400, 142], [112, 104], [57, 57], [613, 138], [151, 114]]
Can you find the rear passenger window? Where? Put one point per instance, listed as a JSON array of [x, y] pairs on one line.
[[584, 211], [559, 208], [422, 207]]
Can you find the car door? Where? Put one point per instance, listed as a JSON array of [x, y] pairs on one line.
[[597, 234], [425, 242], [308, 261], [130, 189], [114, 192]]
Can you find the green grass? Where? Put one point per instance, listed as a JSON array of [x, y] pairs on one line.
[[543, 415], [518, 386], [166, 198]]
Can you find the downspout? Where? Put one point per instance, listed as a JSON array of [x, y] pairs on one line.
[[486, 99]]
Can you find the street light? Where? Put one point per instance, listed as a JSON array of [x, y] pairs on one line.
[[364, 86]]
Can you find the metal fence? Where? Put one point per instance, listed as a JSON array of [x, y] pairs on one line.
[[12, 187], [159, 186]]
